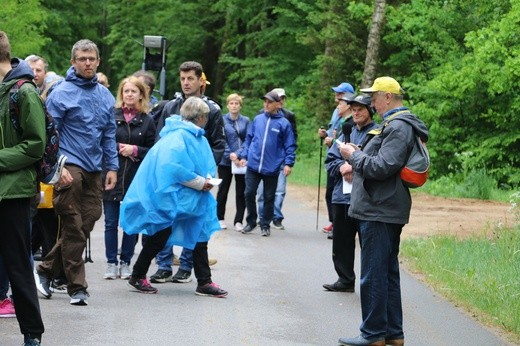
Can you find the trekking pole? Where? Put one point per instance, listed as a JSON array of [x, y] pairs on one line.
[[88, 258], [319, 182]]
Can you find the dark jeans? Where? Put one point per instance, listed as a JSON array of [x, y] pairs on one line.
[[156, 243], [224, 173], [44, 230], [252, 181], [79, 207], [111, 209], [344, 244], [381, 307], [15, 250]]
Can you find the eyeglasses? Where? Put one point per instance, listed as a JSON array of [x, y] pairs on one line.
[[86, 58]]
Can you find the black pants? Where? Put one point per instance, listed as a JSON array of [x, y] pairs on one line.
[[224, 173], [44, 230], [344, 244], [154, 244], [328, 196], [15, 249], [252, 181]]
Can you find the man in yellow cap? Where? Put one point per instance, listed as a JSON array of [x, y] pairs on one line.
[[381, 204]]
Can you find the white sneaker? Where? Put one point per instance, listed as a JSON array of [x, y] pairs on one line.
[[239, 227], [125, 271], [59, 167], [111, 272], [222, 224]]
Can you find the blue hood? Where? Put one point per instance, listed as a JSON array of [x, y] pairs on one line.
[[21, 69], [175, 123], [72, 77]]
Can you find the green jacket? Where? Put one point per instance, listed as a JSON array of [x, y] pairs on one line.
[[19, 152]]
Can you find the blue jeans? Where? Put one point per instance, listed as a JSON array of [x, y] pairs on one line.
[[165, 258], [279, 196], [381, 307], [186, 260], [111, 209], [253, 179]]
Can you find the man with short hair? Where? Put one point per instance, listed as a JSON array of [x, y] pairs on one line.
[[83, 111], [39, 67], [192, 84], [282, 178], [269, 146], [19, 152], [381, 205]]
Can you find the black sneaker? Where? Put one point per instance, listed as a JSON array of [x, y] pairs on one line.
[[32, 342], [265, 232], [141, 285], [339, 287], [278, 224], [182, 276], [161, 276], [211, 290], [43, 284], [79, 298], [248, 229]]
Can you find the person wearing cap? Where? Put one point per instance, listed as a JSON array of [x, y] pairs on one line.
[[328, 136], [269, 145], [344, 239], [282, 178], [381, 204], [191, 81]]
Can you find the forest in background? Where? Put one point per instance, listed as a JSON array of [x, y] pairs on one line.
[[457, 60]]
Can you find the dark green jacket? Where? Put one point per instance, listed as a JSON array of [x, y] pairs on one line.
[[19, 151]]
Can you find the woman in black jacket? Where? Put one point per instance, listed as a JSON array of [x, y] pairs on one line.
[[135, 135]]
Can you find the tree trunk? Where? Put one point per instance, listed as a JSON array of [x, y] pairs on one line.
[[374, 38]]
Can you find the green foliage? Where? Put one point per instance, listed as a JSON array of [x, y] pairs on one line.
[[24, 23], [481, 272]]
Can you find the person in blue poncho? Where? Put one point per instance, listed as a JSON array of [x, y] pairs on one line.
[[169, 198]]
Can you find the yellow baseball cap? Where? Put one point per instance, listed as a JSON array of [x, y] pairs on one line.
[[205, 79], [386, 84]]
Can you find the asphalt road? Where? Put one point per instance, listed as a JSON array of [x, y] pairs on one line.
[[275, 298]]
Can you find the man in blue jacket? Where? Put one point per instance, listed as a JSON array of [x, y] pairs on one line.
[[269, 144], [83, 111]]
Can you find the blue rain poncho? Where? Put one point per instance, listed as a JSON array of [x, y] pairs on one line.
[[156, 198]]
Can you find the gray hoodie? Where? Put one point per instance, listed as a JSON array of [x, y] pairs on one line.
[[378, 193]]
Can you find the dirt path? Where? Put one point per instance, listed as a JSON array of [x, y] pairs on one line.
[[431, 215]]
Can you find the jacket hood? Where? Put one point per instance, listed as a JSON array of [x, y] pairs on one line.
[[72, 77], [21, 69], [277, 115], [417, 124], [175, 123]]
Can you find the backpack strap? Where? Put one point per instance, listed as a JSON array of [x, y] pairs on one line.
[[14, 109]]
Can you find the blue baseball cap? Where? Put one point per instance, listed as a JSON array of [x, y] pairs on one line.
[[344, 88]]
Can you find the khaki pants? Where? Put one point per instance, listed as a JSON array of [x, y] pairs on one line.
[[78, 207]]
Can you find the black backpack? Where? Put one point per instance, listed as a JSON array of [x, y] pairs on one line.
[[46, 165]]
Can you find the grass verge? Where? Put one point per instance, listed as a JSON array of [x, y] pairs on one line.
[[480, 273]]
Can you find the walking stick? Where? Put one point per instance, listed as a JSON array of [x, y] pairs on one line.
[[88, 258], [319, 182]]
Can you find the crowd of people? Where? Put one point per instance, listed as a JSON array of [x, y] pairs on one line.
[[149, 166]]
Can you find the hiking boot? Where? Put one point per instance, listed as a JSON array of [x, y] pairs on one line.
[[212, 261], [161, 276], [239, 227], [111, 272], [124, 271], [360, 341], [79, 298], [211, 290], [265, 232], [339, 287], [59, 168], [222, 224], [7, 308], [327, 229], [43, 284], [182, 276], [142, 285], [278, 224], [248, 229]]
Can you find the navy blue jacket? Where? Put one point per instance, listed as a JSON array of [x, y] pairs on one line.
[[236, 131]]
